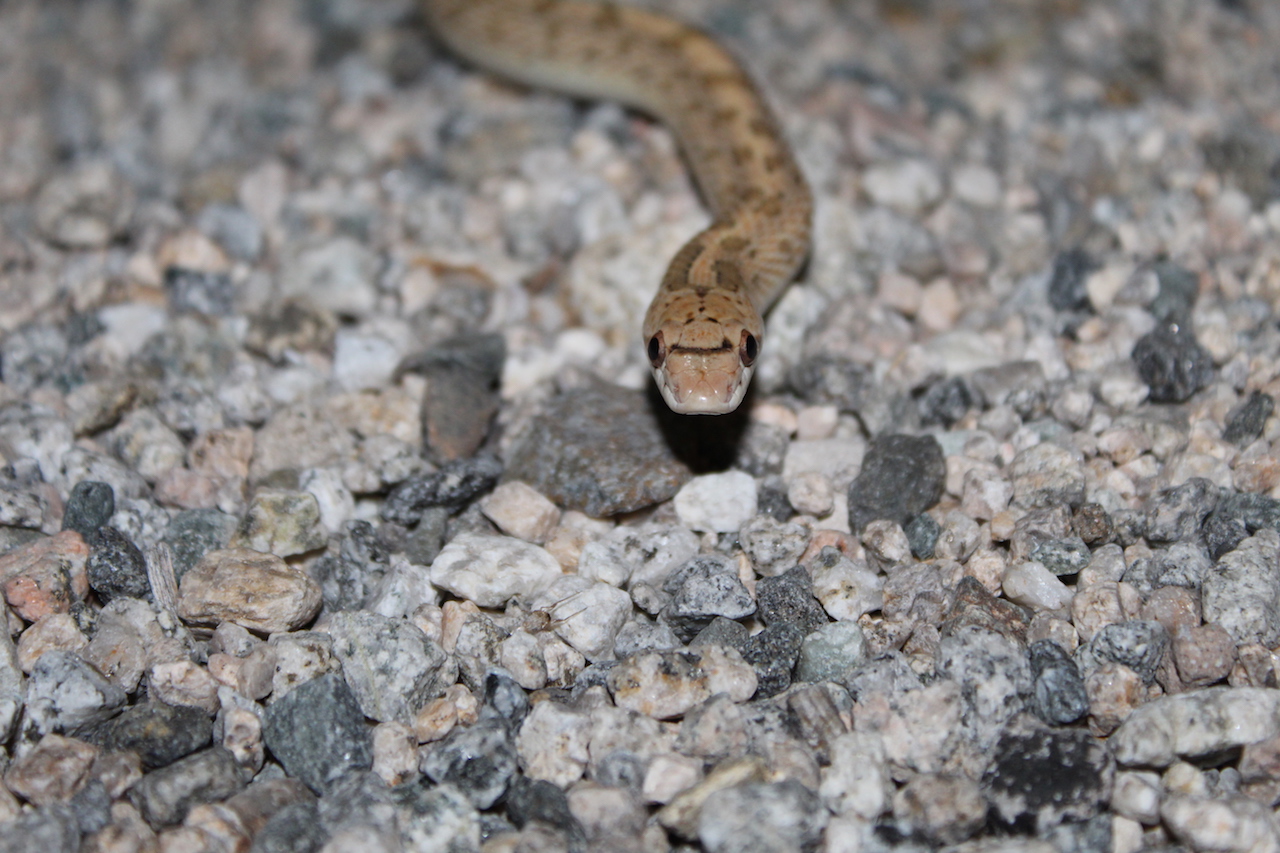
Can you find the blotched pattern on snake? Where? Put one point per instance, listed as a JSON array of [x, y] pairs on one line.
[[703, 331]]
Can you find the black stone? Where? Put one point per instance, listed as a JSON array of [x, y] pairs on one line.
[[539, 800], [901, 477], [1172, 363], [480, 760], [1042, 778], [452, 487], [164, 796], [772, 653], [946, 401], [1179, 287], [350, 573], [922, 535], [116, 568], [1059, 696], [788, 597], [772, 501], [1222, 533], [1245, 422], [160, 734], [89, 507], [317, 732], [1067, 290]]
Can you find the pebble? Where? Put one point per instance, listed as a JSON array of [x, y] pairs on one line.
[[85, 208], [390, 665], [1047, 475], [452, 487], [46, 576], [553, 742], [1059, 696], [480, 760], [944, 809], [258, 591], [55, 631], [773, 546], [89, 507], [1043, 778], [1032, 585], [164, 797], [847, 589], [662, 685], [773, 653], [281, 523], [463, 381], [115, 567], [901, 477], [53, 771], [64, 693], [764, 816], [702, 589], [521, 511], [491, 570], [717, 503], [1172, 363], [159, 734], [1234, 825], [788, 598], [588, 618], [811, 492], [908, 186], [600, 450], [317, 732], [1243, 594]]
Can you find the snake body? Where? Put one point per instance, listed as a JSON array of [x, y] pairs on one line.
[[703, 330]]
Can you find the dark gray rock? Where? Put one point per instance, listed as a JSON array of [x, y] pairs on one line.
[[234, 228], [1092, 524], [1245, 421], [601, 450], [351, 572], [195, 532], [722, 632], [922, 535], [89, 507], [391, 665], [116, 567], [479, 759], [452, 487], [464, 376], [1059, 696], [317, 732], [1176, 297], [701, 589], [160, 734], [1071, 269], [901, 477], [1138, 644], [360, 799], [91, 806], [1041, 779], [831, 380], [788, 597], [536, 799], [164, 796], [772, 653], [1243, 594], [1172, 363], [507, 698]]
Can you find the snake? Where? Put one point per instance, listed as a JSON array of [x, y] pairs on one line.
[[704, 330]]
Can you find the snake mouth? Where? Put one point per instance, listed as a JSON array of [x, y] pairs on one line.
[[702, 381]]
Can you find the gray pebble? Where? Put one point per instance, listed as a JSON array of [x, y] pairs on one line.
[[722, 632], [294, 829], [452, 487], [53, 829], [65, 693], [233, 228], [479, 759], [436, 818], [195, 532], [1059, 695], [160, 734], [773, 653], [703, 588], [464, 376], [393, 668], [116, 567], [1137, 644], [90, 506], [318, 732], [901, 477], [1243, 595], [1178, 289], [209, 294], [85, 208], [164, 796], [1172, 363], [1062, 556], [1176, 514], [601, 450], [33, 356], [831, 653], [774, 547], [922, 535], [789, 598], [761, 817], [1067, 290]]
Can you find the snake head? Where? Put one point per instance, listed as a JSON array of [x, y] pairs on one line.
[[703, 365]]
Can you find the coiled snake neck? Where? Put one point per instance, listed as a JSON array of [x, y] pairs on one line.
[[703, 331]]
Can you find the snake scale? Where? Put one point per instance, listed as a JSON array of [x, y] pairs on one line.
[[703, 330]]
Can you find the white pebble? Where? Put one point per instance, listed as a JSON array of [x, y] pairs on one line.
[[491, 570], [907, 186], [717, 503], [1032, 585], [521, 511]]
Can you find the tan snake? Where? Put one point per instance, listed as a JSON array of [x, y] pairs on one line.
[[703, 330]]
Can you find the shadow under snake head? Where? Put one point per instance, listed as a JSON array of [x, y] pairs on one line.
[[703, 344]]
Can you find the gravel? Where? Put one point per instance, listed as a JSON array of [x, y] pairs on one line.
[[337, 510]]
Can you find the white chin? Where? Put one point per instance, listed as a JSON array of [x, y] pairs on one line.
[[704, 403]]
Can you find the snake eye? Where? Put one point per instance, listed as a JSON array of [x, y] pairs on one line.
[[657, 352], [749, 349]]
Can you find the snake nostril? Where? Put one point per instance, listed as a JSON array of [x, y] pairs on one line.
[[749, 349], [657, 352]]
